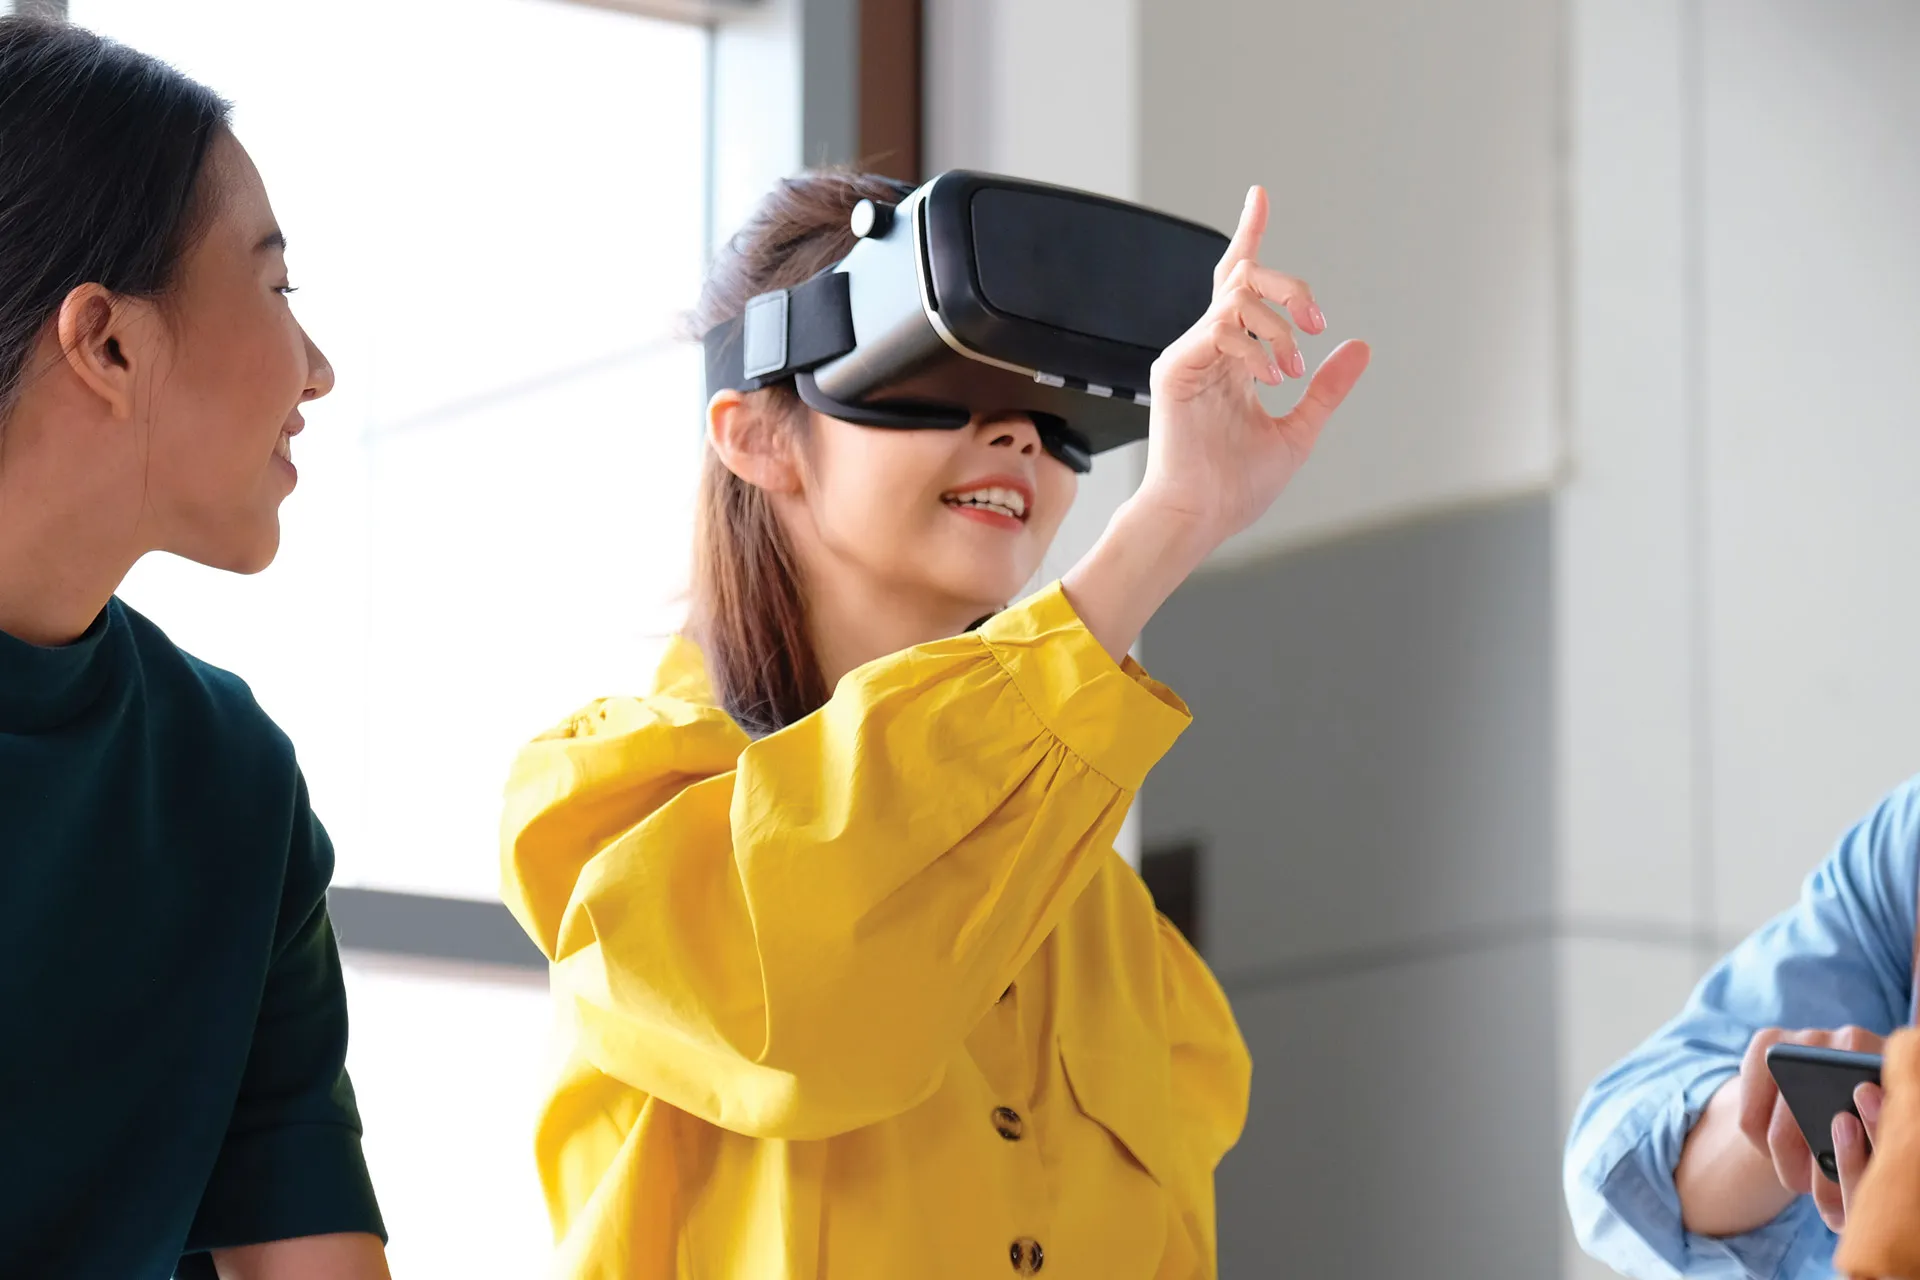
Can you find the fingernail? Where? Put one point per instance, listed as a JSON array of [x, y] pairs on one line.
[[1250, 194], [1313, 313], [1297, 363], [1846, 1133], [1273, 372], [1868, 1100]]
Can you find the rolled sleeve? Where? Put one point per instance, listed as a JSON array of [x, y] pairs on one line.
[[1627, 1213], [285, 1183], [1840, 956]]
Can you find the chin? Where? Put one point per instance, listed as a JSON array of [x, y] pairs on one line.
[[256, 557], [234, 552], [984, 596], [255, 562]]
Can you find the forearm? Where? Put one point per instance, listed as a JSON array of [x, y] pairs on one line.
[[1141, 559], [1727, 1186], [333, 1257]]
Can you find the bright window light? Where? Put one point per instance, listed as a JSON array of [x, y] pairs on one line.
[[450, 1071], [495, 209]]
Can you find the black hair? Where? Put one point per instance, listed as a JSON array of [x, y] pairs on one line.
[[101, 149]]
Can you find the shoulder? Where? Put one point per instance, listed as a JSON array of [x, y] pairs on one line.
[[199, 699], [1886, 842], [1898, 812]]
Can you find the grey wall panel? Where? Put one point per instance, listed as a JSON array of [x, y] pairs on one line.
[[1404, 1123], [1370, 761], [411, 924]]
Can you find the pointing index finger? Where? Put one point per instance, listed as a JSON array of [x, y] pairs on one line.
[[1247, 236]]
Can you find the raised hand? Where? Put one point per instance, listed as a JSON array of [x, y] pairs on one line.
[[1215, 456], [1216, 459]]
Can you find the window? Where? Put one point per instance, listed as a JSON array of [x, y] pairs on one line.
[[450, 1067], [496, 210]]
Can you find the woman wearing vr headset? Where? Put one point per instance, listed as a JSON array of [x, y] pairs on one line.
[[858, 986], [173, 1022]]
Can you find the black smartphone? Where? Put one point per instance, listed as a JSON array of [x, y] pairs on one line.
[[1818, 1085]]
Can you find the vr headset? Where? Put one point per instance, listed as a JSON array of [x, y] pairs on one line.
[[982, 294]]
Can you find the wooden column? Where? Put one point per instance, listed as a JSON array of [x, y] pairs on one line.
[[891, 91]]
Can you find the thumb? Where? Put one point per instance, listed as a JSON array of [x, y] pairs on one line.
[[1331, 382]]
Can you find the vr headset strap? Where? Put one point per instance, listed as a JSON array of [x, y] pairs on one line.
[[782, 333], [789, 333]]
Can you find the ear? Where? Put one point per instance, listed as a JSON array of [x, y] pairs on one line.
[[751, 445], [105, 338]]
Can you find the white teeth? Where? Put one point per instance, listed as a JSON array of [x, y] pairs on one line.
[[283, 447], [1008, 502]]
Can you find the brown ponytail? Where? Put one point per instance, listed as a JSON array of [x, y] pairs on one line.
[[749, 610]]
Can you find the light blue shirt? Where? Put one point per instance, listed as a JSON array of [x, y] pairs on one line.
[[1842, 955]]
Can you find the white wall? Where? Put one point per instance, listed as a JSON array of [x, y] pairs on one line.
[[1626, 571], [1811, 273], [1413, 152], [757, 117], [1042, 89], [1737, 639], [1626, 567]]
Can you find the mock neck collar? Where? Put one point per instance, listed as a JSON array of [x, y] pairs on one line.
[[44, 687]]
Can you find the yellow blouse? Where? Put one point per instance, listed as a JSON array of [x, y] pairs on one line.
[[873, 996]]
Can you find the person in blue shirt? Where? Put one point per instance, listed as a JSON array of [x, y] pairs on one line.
[[173, 1025], [1683, 1160]]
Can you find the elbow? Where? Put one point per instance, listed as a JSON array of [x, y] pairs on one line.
[[1582, 1177], [1621, 1211], [1585, 1208]]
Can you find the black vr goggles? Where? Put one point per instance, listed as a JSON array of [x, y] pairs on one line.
[[982, 294]]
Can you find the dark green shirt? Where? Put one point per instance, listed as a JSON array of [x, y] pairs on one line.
[[173, 1026]]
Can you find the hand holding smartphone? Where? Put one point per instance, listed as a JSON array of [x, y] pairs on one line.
[[1812, 1110], [1818, 1084]]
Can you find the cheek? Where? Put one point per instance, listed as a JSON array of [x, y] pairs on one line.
[[1058, 489], [878, 482], [235, 386]]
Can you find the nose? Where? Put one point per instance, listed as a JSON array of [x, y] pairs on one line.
[[1012, 431], [319, 371]]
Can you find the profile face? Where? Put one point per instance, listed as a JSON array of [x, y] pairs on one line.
[[223, 401]]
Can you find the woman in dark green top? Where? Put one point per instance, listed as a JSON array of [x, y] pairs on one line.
[[173, 1027]]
